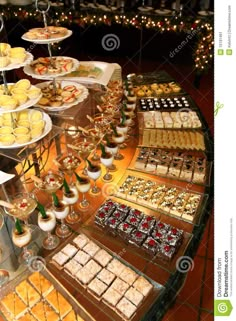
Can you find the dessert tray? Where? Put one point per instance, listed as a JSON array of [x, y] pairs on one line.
[[32, 99], [103, 279], [47, 35], [92, 72], [80, 95], [39, 129], [41, 67], [39, 296], [181, 203], [10, 66]]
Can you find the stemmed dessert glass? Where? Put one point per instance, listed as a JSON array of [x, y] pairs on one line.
[[70, 197], [112, 147], [107, 160], [94, 172], [47, 224], [83, 185], [68, 163], [61, 210], [49, 183], [119, 139], [22, 240], [21, 205], [84, 148]]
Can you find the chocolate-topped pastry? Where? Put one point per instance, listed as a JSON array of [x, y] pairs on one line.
[[163, 227], [151, 246], [101, 217], [112, 223], [147, 224], [119, 215], [133, 220], [175, 232], [137, 238], [110, 203], [166, 251], [136, 213], [125, 229], [172, 240], [122, 207], [159, 235]]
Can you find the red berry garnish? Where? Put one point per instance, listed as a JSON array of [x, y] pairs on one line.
[[149, 218], [170, 238], [102, 215], [113, 221], [158, 234], [174, 231], [152, 243], [161, 225], [133, 219], [125, 226], [138, 234], [145, 225], [167, 248]]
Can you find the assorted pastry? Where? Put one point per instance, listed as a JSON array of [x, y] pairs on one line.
[[21, 127], [135, 227], [105, 277], [46, 66], [152, 104], [64, 95], [176, 119], [86, 70], [11, 56], [176, 139], [181, 165], [18, 94], [46, 33], [36, 299], [156, 89], [172, 200]]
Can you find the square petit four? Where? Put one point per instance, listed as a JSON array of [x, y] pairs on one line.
[[137, 238], [136, 213], [111, 297], [27, 293], [123, 208], [70, 250], [43, 312], [102, 257], [58, 303], [120, 286], [106, 276], [97, 287], [128, 275], [93, 267], [199, 174], [134, 296], [101, 218], [119, 215], [147, 224], [166, 251], [151, 246], [80, 241], [143, 286], [133, 220], [14, 305], [91, 248], [72, 267], [124, 229], [84, 276], [40, 283], [112, 223], [116, 267], [126, 308], [81, 257], [60, 259], [140, 163]]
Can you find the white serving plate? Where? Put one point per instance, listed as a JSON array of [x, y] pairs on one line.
[[47, 129], [47, 41], [29, 58], [29, 103], [145, 9], [103, 79], [163, 12], [64, 83], [28, 70]]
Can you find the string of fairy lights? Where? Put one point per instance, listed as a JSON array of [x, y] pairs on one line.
[[201, 29]]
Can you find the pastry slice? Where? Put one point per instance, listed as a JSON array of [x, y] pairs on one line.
[[80, 241], [111, 297], [97, 288], [126, 308], [91, 248], [143, 286], [71, 316], [14, 305], [134, 296], [102, 257], [70, 250], [128, 275], [58, 303], [40, 283], [43, 312], [27, 317], [120, 286], [27, 293]]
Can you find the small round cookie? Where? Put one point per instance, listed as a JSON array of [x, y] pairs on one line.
[[43, 101]]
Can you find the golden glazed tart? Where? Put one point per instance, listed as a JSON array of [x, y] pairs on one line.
[[58, 303], [40, 283], [7, 139], [14, 305], [27, 293]]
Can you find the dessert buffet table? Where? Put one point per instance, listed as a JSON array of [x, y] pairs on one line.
[[125, 253]]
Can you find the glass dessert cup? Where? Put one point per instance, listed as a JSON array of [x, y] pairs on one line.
[[23, 205], [68, 164], [47, 224], [61, 211], [107, 160], [112, 147], [84, 148], [71, 199], [21, 241], [83, 187], [95, 135], [118, 139], [50, 183], [94, 173], [122, 129]]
